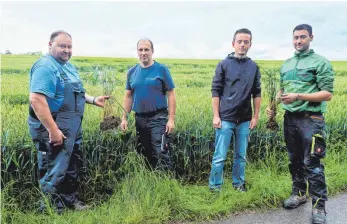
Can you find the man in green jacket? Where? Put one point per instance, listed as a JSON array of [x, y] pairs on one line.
[[306, 84]]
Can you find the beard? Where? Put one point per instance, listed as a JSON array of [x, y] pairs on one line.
[[65, 58]]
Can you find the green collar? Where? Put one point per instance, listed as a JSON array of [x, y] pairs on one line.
[[303, 54]]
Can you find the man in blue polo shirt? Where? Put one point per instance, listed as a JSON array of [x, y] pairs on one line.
[[149, 92], [57, 100]]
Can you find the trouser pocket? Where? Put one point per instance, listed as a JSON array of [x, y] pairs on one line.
[[165, 143], [318, 148], [41, 146]]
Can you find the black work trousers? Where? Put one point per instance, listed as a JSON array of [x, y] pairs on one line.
[[305, 139], [150, 128]]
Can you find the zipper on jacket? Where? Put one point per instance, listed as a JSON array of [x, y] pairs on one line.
[[297, 62]]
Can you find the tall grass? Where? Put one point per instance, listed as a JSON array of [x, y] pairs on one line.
[[110, 166], [143, 196]]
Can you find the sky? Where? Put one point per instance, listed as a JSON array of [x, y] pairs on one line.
[[178, 29]]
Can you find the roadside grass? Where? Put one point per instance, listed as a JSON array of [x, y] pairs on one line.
[[144, 196]]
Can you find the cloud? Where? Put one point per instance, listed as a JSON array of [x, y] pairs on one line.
[[178, 29], [19, 34]]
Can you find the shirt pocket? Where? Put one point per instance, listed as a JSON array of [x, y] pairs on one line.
[[306, 75]]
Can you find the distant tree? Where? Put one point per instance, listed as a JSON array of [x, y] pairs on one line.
[[8, 52], [34, 53]]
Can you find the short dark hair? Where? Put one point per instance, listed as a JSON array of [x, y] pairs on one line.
[[57, 33], [304, 27], [137, 45], [243, 30]]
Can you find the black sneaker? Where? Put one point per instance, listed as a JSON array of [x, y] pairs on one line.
[[294, 201], [318, 216], [215, 189], [241, 188], [43, 209]]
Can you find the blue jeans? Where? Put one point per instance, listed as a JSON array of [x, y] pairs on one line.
[[222, 143]]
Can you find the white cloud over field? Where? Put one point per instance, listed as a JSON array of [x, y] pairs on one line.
[[178, 29]]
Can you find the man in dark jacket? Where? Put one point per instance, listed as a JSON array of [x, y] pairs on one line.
[[236, 81]]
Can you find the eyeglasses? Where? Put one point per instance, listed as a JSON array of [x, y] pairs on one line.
[[64, 46]]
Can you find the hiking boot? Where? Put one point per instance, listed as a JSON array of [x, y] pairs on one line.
[[318, 216], [294, 201], [42, 209], [80, 206], [241, 188]]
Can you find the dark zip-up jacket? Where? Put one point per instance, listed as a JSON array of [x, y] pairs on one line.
[[235, 82]]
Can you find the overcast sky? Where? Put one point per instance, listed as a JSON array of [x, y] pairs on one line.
[[195, 29]]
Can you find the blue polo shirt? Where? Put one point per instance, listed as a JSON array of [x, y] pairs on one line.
[[45, 78], [149, 87]]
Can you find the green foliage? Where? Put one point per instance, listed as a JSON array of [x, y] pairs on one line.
[[144, 196], [271, 81], [110, 164], [15, 99]]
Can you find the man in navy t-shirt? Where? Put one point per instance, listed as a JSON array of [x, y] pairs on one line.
[[149, 92]]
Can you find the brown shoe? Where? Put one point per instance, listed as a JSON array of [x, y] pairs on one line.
[[294, 201]]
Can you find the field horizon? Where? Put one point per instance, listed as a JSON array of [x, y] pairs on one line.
[[113, 176]]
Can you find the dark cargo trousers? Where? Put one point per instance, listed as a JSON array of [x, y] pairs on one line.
[[59, 165], [305, 139], [150, 128]]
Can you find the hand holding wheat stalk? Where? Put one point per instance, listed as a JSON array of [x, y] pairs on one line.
[[107, 78]]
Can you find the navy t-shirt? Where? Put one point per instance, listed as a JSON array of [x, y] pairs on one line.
[[149, 87]]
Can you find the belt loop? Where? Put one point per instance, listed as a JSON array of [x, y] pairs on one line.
[[307, 113]]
